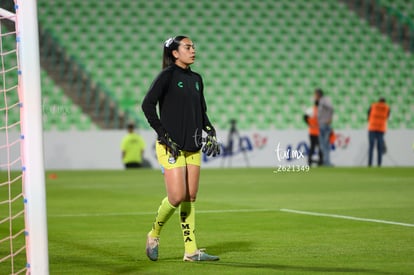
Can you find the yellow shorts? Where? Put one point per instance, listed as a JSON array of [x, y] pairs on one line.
[[168, 162]]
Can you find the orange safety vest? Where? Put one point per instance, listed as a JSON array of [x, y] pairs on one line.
[[378, 116], [332, 137], [313, 122]]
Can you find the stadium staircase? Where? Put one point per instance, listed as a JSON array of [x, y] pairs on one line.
[[59, 112], [261, 60], [76, 84], [394, 18]]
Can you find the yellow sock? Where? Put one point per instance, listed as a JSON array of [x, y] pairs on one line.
[[187, 221], [165, 211]]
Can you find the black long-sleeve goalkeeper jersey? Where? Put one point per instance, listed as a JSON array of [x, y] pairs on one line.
[[182, 107]]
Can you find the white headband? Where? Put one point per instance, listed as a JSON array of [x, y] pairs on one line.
[[168, 42]]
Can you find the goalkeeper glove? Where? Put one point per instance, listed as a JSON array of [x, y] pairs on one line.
[[211, 147], [170, 145]]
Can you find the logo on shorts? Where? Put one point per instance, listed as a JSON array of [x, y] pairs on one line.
[[171, 160]]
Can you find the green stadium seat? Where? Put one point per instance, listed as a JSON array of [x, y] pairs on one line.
[[244, 51]]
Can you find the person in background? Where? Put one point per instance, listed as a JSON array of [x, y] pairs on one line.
[[132, 148], [311, 119], [378, 115], [325, 116]]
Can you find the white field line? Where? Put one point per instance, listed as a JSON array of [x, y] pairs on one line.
[[154, 213], [345, 217], [235, 211]]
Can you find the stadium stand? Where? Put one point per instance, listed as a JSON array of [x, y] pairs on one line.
[[405, 7], [261, 60], [59, 113]]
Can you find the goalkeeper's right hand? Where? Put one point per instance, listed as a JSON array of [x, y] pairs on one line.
[[170, 145]]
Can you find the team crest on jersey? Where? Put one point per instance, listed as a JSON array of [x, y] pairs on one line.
[[197, 86], [171, 160]]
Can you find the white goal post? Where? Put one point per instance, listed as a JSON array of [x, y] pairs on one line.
[[29, 90]]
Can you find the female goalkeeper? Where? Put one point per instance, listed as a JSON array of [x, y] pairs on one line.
[[178, 91]]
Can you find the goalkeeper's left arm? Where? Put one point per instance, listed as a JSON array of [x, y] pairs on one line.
[[211, 147]]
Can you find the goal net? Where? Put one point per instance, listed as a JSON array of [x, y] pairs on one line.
[[23, 232], [12, 239]]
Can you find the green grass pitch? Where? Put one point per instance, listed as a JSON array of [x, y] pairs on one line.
[[98, 221]]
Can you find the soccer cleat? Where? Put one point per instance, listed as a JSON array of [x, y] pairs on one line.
[[200, 255], [152, 248]]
